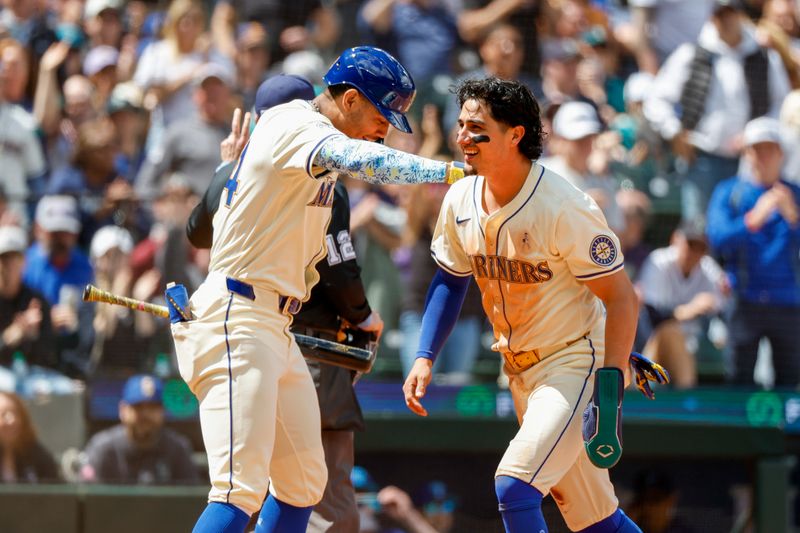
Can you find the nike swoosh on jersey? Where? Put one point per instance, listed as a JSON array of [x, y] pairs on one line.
[[462, 220]]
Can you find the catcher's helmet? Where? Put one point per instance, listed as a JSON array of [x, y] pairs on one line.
[[379, 77]]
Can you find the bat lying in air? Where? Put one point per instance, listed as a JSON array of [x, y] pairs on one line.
[[325, 351]]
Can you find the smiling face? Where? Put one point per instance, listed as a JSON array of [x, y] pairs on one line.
[[484, 157]]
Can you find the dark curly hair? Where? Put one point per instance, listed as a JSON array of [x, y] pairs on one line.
[[511, 103]]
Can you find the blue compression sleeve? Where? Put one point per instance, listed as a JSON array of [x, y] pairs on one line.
[[221, 517], [520, 505], [442, 306], [618, 522], [279, 517]]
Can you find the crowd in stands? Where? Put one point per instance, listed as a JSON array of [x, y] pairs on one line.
[[681, 119]]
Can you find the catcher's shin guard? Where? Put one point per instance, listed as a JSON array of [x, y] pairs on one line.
[[602, 420]]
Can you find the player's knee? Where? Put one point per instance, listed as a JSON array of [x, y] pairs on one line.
[[307, 495], [515, 495]]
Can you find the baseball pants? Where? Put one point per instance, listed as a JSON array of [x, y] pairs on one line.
[[258, 410], [548, 450]]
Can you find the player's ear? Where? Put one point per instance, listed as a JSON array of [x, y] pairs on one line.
[[517, 133], [350, 98]]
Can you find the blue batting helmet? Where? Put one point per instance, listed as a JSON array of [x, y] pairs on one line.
[[379, 77]]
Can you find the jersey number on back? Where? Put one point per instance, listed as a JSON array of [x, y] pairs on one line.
[[233, 182], [343, 252]]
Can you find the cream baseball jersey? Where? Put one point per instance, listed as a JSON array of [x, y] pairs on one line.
[[270, 227], [529, 258]]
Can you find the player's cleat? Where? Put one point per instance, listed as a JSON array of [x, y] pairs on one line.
[[647, 371], [602, 419]]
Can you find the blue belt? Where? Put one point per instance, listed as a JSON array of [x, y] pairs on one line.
[[286, 304], [241, 288]]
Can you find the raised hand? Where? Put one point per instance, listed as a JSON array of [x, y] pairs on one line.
[[234, 143], [54, 56]]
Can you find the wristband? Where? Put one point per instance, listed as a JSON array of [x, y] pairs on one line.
[[455, 171]]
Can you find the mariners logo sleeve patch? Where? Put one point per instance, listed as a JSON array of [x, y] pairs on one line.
[[603, 251]]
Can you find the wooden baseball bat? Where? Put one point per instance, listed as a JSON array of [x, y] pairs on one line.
[[93, 294], [324, 351]]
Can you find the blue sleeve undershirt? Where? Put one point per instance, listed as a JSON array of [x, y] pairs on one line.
[[442, 307]]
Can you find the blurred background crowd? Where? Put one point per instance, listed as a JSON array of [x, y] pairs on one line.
[[681, 118]]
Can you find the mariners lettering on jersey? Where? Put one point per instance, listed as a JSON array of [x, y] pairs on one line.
[[497, 267], [324, 196]]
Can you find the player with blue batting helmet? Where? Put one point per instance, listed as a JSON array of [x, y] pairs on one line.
[[378, 76]]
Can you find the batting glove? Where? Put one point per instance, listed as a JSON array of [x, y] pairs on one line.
[[647, 371]]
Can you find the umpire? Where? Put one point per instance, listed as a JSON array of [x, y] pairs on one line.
[[336, 300]]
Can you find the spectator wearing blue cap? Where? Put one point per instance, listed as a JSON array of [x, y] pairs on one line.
[[140, 450]]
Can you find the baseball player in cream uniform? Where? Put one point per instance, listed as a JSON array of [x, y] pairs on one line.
[[258, 412], [550, 274]]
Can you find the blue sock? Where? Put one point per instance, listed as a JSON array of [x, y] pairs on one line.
[[279, 517], [520, 506], [221, 518], [618, 522]]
